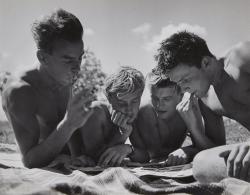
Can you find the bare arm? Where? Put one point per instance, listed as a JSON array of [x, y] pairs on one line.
[[140, 153], [207, 129], [21, 110]]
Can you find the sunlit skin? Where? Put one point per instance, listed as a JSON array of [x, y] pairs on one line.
[[190, 79], [106, 131], [164, 101], [64, 61], [40, 107], [223, 86], [128, 104], [160, 130]]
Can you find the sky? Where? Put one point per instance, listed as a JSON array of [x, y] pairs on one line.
[[123, 32]]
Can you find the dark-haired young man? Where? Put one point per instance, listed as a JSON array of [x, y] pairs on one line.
[[160, 129], [223, 86], [39, 103]]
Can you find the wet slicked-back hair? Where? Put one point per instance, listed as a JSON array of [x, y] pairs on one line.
[[181, 47], [126, 80], [58, 25]]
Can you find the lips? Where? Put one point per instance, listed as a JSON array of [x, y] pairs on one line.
[[160, 111]]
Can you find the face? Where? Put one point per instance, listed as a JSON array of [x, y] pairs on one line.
[[165, 100], [127, 104], [191, 79], [64, 61]]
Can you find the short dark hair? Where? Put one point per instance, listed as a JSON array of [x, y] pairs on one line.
[[155, 79], [182, 47], [58, 25]]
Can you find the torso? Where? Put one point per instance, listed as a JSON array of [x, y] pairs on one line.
[[51, 103], [157, 133], [232, 98]]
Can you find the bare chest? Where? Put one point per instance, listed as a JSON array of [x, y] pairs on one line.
[[51, 110], [163, 134]]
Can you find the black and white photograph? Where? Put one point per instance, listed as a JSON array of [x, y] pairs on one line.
[[115, 97]]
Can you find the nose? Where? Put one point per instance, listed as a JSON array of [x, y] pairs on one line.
[[158, 104], [75, 68]]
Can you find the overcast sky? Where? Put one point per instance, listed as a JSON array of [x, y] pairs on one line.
[[123, 32]]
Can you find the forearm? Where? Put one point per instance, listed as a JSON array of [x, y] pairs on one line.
[[200, 140], [119, 138], [43, 153], [75, 144]]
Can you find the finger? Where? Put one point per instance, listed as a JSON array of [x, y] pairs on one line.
[[107, 159], [113, 161], [124, 121], [180, 161], [170, 160], [116, 118], [238, 164], [175, 160], [186, 106], [230, 161], [120, 119], [119, 161], [113, 113], [103, 156], [182, 105]]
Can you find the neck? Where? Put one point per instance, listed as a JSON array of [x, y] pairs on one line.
[[48, 80], [219, 73]]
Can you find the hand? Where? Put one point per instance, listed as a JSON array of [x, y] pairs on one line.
[[238, 161], [83, 161], [121, 120], [190, 112], [78, 110], [178, 157], [61, 159], [114, 156]]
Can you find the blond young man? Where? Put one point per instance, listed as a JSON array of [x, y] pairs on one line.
[[107, 129]]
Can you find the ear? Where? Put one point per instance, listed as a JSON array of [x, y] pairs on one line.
[[42, 57], [205, 62]]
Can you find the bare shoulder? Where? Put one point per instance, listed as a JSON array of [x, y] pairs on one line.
[[239, 56], [17, 94]]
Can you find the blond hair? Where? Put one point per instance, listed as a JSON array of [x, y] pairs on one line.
[[126, 80]]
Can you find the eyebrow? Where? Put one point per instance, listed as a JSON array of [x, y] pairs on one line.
[[71, 58]]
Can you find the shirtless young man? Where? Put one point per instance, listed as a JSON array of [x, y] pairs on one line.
[[105, 133], [223, 86], [39, 103], [160, 129]]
